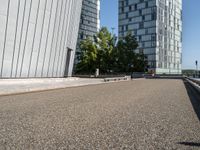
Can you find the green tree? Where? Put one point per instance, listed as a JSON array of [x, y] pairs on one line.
[[106, 43], [106, 53], [140, 63], [96, 53], [87, 57], [126, 56]]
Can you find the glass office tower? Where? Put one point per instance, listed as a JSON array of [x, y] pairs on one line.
[[90, 21], [157, 25], [38, 37]]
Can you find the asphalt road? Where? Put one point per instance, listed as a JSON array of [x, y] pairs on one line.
[[141, 114]]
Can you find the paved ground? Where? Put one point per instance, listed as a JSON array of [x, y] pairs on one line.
[[141, 114]]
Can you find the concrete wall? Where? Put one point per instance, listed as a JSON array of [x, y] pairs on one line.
[[35, 36]]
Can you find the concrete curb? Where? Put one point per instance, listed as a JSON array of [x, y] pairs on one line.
[[35, 90], [50, 87], [35, 80]]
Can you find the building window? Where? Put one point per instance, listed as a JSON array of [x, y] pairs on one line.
[[147, 5], [126, 27], [122, 28], [153, 16], [126, 15], [153, 37], [140, 12], [130, 8], [126, 2], [122, 10], [146, 31], [140, 38], [141, 25], [81, 35], [135, 6], [143, 18], [122, 3]]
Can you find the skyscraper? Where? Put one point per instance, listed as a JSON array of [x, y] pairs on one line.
[[38, 37], [90, 21], [157, 25]]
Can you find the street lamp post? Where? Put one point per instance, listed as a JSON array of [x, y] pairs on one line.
[[196, 62]]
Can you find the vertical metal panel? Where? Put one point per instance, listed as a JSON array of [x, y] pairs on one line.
[[36, 36], [66, 45], [24, 37], [41, 35], [62, 66], [47, 29], [57, 39], [18, 35], [52, 42], [57, 60], [62, 43], [6, 71], [36, 46], [14, 47], [5, 37], [20, 42], [27, 29], [33, 42], [3, 19], [50, 38]]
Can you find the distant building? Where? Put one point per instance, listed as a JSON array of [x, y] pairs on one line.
[[90, 21], [157, 25], [38, 37]]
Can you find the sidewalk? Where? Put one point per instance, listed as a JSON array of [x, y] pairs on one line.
[[17, 86]]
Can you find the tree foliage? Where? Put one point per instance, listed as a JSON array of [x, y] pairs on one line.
[[87, 57], [109, 55]]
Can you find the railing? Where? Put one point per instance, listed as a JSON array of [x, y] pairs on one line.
[[194, 82]]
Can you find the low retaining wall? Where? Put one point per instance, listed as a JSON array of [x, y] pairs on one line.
[[117, 79]]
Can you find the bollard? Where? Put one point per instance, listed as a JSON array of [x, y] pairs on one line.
[[97, 72]]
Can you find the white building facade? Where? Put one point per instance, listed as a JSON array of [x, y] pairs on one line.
[[157, 25], [38, 37]]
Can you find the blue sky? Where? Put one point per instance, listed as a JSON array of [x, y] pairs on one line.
[[191, 27]]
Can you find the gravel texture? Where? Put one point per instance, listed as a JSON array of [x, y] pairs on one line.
[[139, 114]]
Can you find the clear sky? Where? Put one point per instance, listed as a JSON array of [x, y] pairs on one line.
[[191, 27]]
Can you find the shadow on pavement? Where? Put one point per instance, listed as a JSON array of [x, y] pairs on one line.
[[194, 96], [190, 144]]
